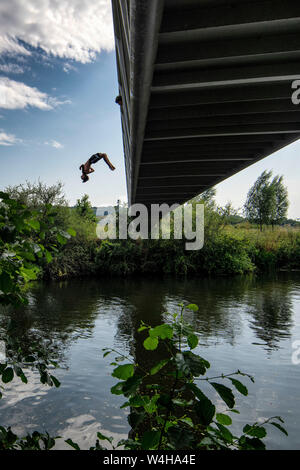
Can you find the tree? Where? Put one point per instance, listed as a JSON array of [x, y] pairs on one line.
[[280, 203], [267, 200], [40, 197], [84, 208], [37, 195], [206, 198], [227, 213]]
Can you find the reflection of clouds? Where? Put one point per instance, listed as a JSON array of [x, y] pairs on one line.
[[19, 418], [83, 430], [16, 391]]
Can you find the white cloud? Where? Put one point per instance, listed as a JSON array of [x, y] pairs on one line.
[[70, 29], [69, 67], [8, 139], [17, 95], [11, 68], [55, 144], [9, 45]]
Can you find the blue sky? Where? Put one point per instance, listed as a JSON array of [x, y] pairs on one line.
[[53, 143], [58, 84]]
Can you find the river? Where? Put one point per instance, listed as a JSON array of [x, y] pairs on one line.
[[247, 323]]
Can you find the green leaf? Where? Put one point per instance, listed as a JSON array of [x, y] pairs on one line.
[[29, 274], [193, 307], [255, 431], [138, 401], [279, 418], [239, 386], [101, 437], [6, 283], [161, 331], [117, 389], [19, 372], [48, 256], [179, 402], [28, 255], [158, 366], [123, 372], [23, 378], [180, 437], [165, 400], [29, 359], [278, 426], [150, 440], [195, 363], [225, 433], [33, 224], [71, 232], [7, 375], [197, 392], [131, 385], [225, 393], [150, 343], [61, 240], [181, 365], [72, 444], [205, 411], [142, 328], [55, 381], [151, 406], [187, 421], [253, 443], [192, 341], [223, 419], [135, 418]]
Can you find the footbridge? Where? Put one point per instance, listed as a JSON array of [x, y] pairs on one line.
[[206, 89]]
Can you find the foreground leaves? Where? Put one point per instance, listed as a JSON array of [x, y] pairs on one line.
[[168, 410]]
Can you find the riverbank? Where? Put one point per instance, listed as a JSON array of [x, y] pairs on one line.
[[230, 251]]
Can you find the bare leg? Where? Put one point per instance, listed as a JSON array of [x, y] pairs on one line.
[[106, 159]]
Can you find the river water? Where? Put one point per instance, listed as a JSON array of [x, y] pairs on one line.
[[246, 323]]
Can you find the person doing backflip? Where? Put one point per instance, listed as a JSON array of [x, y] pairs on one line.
[[87, 169]]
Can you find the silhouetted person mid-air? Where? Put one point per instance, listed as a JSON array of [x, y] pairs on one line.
[[87, 169]]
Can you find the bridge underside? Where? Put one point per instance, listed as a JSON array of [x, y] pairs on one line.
[[206, 88]]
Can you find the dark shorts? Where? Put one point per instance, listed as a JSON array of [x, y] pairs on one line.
[[95, 158]]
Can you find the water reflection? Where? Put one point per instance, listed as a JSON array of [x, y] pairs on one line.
[[77, 318], [271, 310], [60, 313]]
